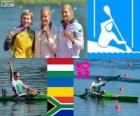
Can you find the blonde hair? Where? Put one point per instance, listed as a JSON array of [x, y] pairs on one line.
[[26, 12], [47, 9], [69, 7]]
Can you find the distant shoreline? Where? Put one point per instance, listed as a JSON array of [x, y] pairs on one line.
[[48, 1]]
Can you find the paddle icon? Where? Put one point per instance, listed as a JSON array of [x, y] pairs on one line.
[[108, 12]]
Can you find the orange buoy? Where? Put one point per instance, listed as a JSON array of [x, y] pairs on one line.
[[130, 64], [126, 75], [122, 89], [118, 107]]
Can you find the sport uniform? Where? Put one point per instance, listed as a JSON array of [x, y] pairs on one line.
[[45, 48], [22, 44], [96, 87], [66, 49], [18, 88]]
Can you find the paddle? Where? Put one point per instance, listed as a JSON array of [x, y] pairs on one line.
[[114, 78], [86, 95], [108, 12]]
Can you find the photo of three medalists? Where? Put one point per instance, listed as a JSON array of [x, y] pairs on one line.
[[48, 40]]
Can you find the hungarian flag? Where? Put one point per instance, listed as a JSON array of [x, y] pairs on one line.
[[60, 90]]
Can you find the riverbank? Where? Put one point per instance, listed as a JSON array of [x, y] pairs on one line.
[[48, 1]]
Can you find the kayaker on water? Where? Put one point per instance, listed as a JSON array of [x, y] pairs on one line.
[[95, 87], [19, 88]]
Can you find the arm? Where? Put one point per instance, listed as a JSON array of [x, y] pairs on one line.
[[76, 37], [79, 37], [117, 40], [11, 71], [91, 86], [25, 86], [103, 84], [7, 44], [51, 43], [106, 23], [70, 36], [8, 41], [37, 45], [52, 39]]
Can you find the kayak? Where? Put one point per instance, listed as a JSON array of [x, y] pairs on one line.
[[109, 96], [99, 49], [38, 97]]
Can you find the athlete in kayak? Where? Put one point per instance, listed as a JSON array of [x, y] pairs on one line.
[[95, 87], [107, 35], [19, 88]]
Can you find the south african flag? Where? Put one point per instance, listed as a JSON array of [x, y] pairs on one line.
[[60, 89]]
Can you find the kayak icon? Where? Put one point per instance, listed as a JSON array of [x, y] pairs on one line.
[[113, 28]]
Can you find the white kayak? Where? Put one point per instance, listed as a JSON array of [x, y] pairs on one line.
[[93, 47]]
